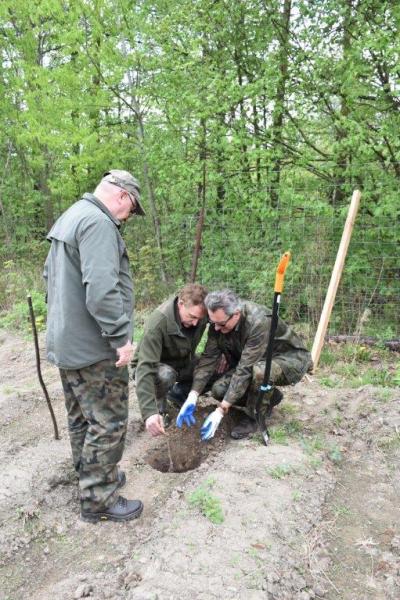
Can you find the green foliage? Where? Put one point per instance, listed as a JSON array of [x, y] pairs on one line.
[[18, 317], [209, 505], [212, 103]]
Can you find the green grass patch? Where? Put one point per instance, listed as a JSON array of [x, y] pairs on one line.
[[18, 316], [288, 409], [279, 435], [335, 454], [311, 445], [280, 471], [328, 382], [209, 505], [390, 443]]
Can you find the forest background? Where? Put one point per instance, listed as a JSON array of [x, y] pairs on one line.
[[250, 122]]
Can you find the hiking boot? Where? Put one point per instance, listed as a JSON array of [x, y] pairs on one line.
[[121, 479], [178, 393], [122, 510], [276, 398], [244, 428]]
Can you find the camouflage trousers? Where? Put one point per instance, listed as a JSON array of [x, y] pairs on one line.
[[96, 399], [167, 376], [247, 403]]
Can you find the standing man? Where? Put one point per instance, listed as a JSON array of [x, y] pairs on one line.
[[165, 357], [89, 332], [240, 330]]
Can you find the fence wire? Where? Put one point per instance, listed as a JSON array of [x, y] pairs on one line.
[[240, 249]]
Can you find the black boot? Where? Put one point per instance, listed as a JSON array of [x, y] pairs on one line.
[[122, 510], [276, 398], [178, 393]]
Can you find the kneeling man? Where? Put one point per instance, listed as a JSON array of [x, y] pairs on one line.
[[239, 330]]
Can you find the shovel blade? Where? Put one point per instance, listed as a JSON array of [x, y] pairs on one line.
[[265, 436]]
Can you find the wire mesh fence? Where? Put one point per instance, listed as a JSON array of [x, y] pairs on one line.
[[241, 247]]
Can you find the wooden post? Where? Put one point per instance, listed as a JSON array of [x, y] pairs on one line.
[[335, 278]]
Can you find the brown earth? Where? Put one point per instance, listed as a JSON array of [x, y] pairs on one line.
[[313, 515]]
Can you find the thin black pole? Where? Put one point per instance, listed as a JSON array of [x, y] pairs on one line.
[[39, 372], [266, 387]]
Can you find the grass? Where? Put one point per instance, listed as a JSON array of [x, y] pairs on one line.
[[209, 505], [328, 382], [390, 443], [288, 409], [335, 454], [279, 436], [355, 365], [383, 395], [342, 510], [280, 471], [312, 444]]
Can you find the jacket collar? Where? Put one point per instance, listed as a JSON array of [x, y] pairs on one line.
[[169, 309], [92, 198]]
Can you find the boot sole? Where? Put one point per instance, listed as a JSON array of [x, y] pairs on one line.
[[96, 517]]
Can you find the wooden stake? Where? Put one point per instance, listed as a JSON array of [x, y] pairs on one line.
[[335, 278]]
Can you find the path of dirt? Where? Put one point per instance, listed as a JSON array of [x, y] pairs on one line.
[[314, 515]]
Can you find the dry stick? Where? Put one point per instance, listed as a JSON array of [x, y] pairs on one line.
[[335, 278], [35, 338], [171, 462]]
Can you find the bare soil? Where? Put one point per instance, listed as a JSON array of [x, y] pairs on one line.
[[313, 515]]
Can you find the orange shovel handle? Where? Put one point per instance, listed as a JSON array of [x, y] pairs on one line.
[[280, 272]]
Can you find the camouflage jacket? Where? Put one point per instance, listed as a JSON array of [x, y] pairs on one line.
[[165, 340], [246, 345]]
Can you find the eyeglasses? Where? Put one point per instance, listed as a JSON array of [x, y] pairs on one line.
[[133, 202], [221, 323]]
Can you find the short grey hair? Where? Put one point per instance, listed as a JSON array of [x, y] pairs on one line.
[[225, 300]]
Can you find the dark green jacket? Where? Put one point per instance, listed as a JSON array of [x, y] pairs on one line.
[[246, 345], [89, 286], [165, 340]]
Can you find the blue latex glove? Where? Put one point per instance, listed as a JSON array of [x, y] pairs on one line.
[[186, 414], [211, 424]]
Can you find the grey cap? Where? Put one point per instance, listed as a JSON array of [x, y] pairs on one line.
[[128, 182]]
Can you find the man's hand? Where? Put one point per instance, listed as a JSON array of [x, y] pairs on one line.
[[211, 424], [155, 425], [186, 413], [124, 355]]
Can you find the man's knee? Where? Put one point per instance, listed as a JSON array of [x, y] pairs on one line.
[[219, 388], [166, 377], [277, 376]]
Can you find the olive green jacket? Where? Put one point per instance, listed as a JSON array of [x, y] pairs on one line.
[[89, 286], [165, 340], [246, 345]]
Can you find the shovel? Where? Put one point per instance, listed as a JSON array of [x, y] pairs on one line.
[[266, 387]]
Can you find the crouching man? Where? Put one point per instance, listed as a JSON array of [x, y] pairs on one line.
[[239, 330], [165, 358]]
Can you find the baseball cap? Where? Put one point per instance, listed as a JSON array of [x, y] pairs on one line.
[[127, 182]]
